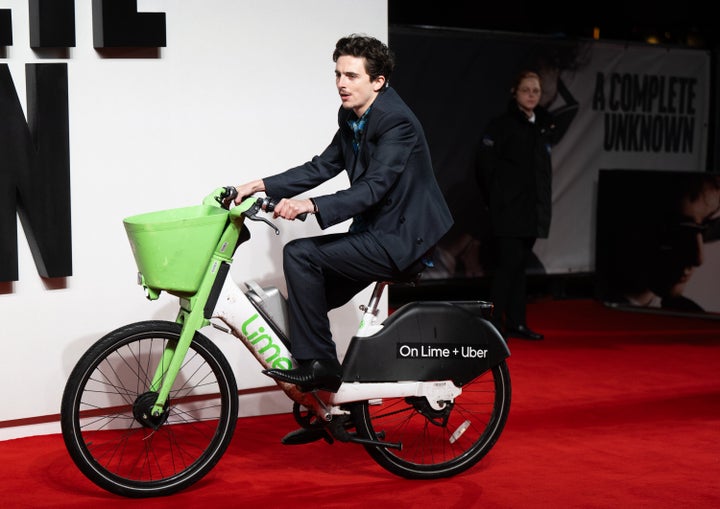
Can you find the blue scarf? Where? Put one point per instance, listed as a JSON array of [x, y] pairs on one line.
[[358, 126]]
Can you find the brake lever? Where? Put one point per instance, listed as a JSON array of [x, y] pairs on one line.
[[264, 220], [252, 214]]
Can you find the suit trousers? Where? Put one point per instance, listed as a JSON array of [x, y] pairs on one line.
[[324, 273], [509, 288]]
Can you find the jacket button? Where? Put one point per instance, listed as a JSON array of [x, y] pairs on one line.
[[402, 220], [418, 241]]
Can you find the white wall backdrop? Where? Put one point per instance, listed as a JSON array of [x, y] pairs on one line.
[[243, 89]]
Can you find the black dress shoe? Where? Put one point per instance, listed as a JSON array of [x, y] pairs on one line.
[[323, 374], [306, 436], [522, 332]]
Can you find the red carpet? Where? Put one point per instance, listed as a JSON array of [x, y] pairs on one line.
[[613, 410]]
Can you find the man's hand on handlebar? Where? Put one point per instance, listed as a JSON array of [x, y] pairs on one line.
[[245, 190], [290, 208]]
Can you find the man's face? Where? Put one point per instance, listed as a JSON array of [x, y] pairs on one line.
[[682, 249], [356, 90]]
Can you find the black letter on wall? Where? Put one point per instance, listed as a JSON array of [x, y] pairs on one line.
[[35, 171], [5, 27], [52, 23], [117, 24]]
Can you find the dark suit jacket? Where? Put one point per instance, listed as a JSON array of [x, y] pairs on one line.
[[392, 183]]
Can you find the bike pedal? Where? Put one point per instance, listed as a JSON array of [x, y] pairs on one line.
[[306, 436]]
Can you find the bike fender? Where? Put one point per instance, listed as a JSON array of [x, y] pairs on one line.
[[426, 341]]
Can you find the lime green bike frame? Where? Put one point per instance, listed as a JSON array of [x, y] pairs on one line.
[[165, 256]]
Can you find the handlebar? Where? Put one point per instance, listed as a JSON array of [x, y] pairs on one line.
[[266, 204], [250, 206]]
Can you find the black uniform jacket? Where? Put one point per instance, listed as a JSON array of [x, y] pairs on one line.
[[515, 172]]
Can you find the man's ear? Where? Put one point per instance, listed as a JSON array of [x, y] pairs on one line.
[[379, 83]]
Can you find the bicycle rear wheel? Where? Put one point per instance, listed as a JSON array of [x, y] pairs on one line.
[[437, 443], [107, 426]]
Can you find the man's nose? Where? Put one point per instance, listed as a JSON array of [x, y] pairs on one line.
[[699, 246]]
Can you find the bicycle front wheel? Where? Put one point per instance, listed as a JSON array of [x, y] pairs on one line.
[[109, 431], [437, 443]]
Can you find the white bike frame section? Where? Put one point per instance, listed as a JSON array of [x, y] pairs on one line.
[[236, 310], [438, 393]]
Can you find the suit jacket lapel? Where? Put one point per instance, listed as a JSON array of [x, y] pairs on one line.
[[356, 165]]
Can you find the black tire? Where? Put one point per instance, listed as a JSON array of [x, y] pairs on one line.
[[429, 448], [102, 412]]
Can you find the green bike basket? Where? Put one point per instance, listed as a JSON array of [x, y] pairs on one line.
[[173, 247]]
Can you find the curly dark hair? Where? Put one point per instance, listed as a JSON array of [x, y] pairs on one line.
[[379, 60]]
